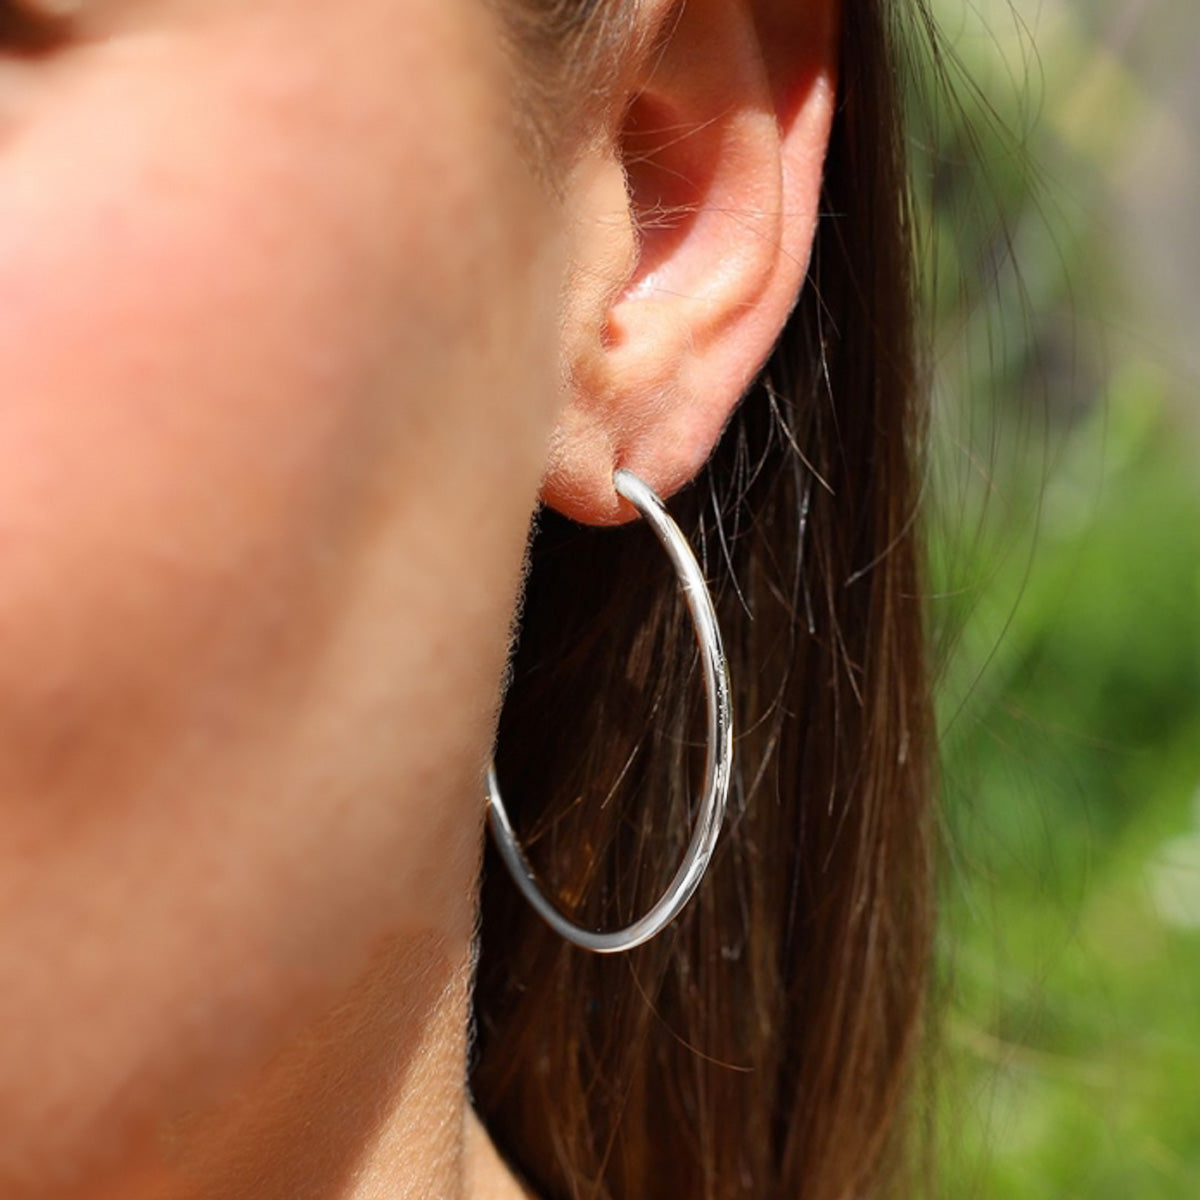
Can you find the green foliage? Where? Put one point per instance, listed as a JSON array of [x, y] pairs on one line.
[[1065, 475]]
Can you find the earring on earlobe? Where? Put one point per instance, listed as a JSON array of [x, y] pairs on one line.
[[718, 766]]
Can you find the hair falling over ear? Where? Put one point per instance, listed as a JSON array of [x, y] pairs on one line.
[[767, 1045]]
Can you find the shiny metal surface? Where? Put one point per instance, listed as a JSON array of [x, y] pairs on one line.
[[718, 766]]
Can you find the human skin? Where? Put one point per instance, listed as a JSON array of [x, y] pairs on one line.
[[243, 461], [284, 362]]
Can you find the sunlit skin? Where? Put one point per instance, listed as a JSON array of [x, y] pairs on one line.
[[284, 363], [244, 458]]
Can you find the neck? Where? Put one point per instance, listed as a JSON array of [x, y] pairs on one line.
[[368, 1103]]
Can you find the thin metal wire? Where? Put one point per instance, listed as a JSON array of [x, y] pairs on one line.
[[718, 768]]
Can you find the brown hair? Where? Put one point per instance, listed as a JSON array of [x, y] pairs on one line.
[[764, 1045]]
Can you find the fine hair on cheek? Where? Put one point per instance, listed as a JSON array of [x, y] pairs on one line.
[[570, 58]]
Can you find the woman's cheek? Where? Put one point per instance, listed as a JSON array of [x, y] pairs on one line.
[[229, 329], [276, 369]]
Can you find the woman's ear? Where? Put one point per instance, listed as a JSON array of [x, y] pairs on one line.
[[692, 226]]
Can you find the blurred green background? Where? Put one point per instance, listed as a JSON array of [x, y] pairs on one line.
[[1061, 217]]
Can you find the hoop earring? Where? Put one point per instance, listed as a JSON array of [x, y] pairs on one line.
[[717, 769]]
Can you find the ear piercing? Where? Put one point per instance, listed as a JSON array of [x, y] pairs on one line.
[[717, 770]]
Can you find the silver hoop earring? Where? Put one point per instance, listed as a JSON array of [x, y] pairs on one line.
[[717, 770]]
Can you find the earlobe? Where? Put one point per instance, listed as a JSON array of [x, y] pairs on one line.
[[721, 153]]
